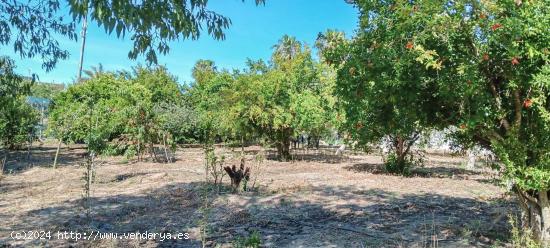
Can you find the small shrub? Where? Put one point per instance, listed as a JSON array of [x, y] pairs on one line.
[[114, 149], [257, 167], [214, 166], [521, 237], [413, 159], [394, 166], [130, 152], [252, 241]]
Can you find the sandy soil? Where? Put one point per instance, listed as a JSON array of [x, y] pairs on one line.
[[318, 200]]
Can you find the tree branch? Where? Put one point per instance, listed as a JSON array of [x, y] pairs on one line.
[[526, 196], [493, 88], [415, 137], [517, 108]]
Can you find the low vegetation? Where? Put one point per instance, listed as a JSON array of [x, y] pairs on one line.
[[479, 70]]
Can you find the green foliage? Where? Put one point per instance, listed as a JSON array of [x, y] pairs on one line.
[[34, 25], [94, 71], [214, 167], [46, 90], [85, 112], [291, 95], [11, 84], [209, 95], [394, 165], [375, 89], [252, 241], [115, 114], [178, 121], [481, 66], [17, 118], [17, 123], [521, 237], [477, 65]]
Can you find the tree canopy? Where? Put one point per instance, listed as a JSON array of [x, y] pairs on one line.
[[481, 66], [17, 118], [33, 26], [278, 101], [115, 113]]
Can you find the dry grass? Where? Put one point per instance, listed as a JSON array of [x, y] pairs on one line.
[[319, 201]]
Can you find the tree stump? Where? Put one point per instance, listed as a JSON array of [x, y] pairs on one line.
[[237, 174]]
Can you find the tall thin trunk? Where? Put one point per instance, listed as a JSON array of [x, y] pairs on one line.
[[82, 46], [29, 148], [165, 150], [56, 154], [242, 146], [90, 175]]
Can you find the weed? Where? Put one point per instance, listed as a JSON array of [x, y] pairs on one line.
[[521, 237], [214, 167], [252, 241]]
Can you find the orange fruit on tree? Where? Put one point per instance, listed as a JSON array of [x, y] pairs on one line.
[[527, 103]]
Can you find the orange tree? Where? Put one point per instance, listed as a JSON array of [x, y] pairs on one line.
[[483, 67], [382, 92]]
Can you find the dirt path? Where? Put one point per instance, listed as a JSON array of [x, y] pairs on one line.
[[323, 201]]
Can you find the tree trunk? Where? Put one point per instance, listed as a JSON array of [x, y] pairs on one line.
[[168, 159], [283, 146], [400, 154], [3, 163], [29, 148], [545, 216], [152, 152], [242, 146], [317, 141], [535, 215], [56, 154], [82, 46], [139, 150]]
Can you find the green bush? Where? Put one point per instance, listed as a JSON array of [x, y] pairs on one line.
[[394, 166], [521, 237], [18, 120], [252, 241]]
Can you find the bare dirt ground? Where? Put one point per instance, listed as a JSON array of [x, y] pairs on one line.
[[319, 200]]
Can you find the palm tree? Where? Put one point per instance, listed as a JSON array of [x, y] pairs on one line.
[[287, 48], [329, 39], [94, 71]]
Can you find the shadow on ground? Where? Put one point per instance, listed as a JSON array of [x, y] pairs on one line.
[[361, 218], [42, 156], [427, 172], [322, 155]]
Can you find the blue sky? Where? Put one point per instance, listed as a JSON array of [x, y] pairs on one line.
[[254, 30]]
